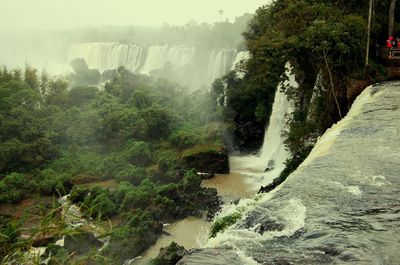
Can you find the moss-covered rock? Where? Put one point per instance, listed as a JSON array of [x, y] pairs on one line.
[[207, 158], [221, 224], [81, 243], [169, 255]]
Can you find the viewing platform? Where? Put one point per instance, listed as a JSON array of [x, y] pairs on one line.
[[388, 54]]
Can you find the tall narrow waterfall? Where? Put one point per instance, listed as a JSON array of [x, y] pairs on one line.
[[269, 163]]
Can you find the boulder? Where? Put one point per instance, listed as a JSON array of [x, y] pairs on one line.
[[82, 243], [207, 159], [270, 166], [169, 255], [275, 183]]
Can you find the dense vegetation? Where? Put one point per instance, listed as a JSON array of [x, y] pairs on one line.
[[137, 130], [325, 43]]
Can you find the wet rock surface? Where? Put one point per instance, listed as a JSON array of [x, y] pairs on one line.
[[208, 161], [170, 255]]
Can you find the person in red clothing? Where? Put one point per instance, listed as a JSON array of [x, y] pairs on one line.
[[389, 43]]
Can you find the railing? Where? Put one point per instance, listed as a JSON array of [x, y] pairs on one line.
[[386, 53]]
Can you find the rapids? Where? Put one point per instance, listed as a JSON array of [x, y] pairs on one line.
[[341, 206]]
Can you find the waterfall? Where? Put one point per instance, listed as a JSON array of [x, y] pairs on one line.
[[341, 205], [158, 56], [269, 163], [184, 64], [108, 55], [219, 63], [136, 58]]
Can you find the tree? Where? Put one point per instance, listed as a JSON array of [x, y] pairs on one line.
[[392, 9], [31, 78], [81, 94]]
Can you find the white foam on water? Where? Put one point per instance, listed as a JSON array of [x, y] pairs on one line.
[[355, 190], [292, 215], [379, 180]]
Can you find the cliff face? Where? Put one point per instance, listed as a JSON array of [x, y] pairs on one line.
[[341, 206]]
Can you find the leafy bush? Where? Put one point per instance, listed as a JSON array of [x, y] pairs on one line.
[[52, 183], [102, 206], [136, 198], [191, 181], [132, 174], [13, 188], [183, 139], [139, 153]]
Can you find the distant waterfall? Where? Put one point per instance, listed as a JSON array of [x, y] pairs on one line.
[[220, 62], [184, 64], [158, 56], [269, 163], [103, 55]]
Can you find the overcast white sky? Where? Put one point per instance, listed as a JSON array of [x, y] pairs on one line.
[[51, 14]]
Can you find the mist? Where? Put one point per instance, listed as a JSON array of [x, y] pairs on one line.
[[67, 14]]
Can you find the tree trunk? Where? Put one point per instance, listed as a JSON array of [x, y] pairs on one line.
[[332, 86], [369, 32], [391, 16]]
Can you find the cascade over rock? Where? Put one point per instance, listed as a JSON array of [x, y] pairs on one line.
[[341, 205]]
